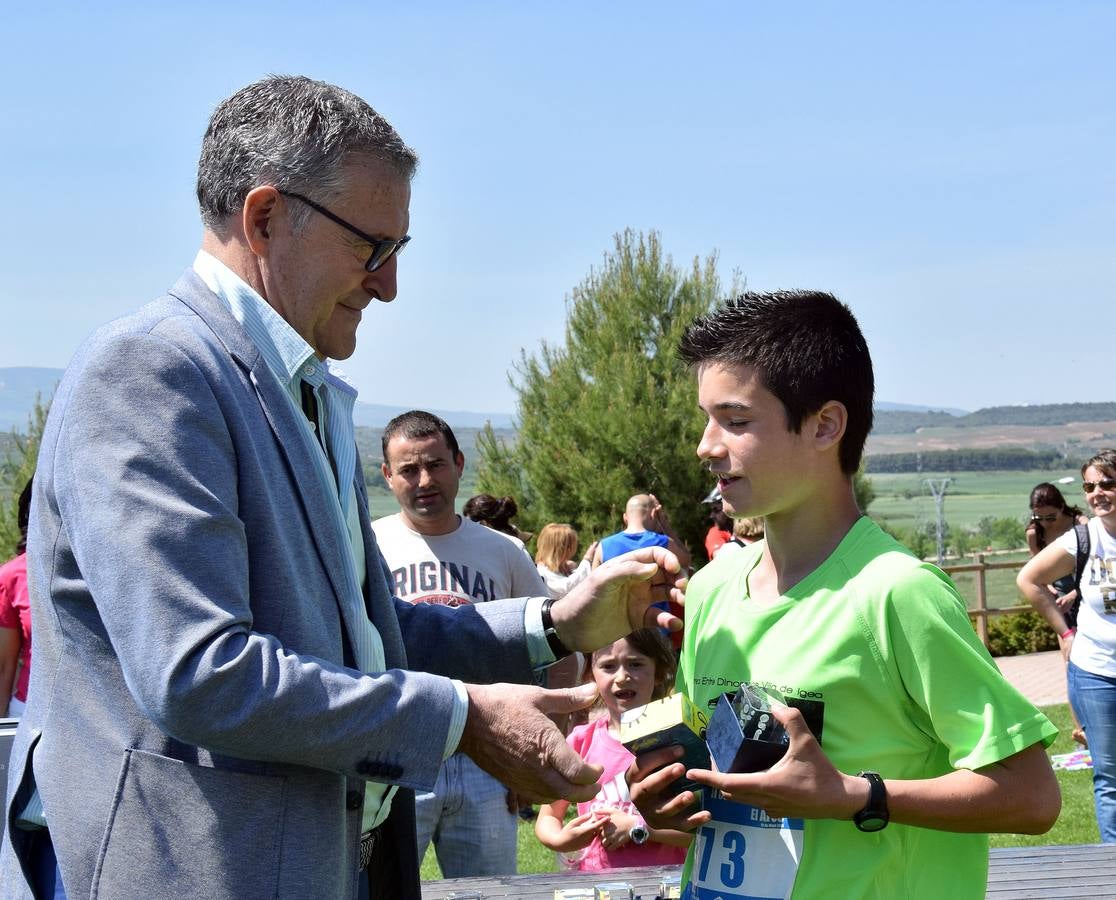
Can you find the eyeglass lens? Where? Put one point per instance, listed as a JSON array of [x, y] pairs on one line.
[[1105, 484], [382, 251]]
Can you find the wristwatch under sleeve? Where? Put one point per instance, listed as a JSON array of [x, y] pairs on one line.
[[874, 816], [560, 650]]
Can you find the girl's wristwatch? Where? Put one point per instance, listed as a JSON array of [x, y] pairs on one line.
[[638, 834]]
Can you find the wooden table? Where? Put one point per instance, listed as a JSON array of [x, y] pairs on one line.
[[1082, 872]]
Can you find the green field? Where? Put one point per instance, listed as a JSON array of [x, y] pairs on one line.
[[904, 501]]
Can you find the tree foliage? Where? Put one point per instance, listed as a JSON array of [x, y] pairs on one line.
[[17, 466], [611, 411]]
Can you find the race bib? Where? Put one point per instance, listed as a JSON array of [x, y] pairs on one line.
[[743, 854]]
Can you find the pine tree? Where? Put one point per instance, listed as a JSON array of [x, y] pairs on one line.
[[16, 469], [611, 411]]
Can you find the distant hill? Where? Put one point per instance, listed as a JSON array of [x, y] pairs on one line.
[[18, 388], [889, 421], [941, 428], [373, 415], [1045, 414], [888, 406], [895, 421], [20, 385]]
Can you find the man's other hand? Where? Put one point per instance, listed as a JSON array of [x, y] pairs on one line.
[[616, 599], [509, 735]]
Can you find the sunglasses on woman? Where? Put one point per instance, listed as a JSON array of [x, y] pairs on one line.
[[1049, 518], [1105, 484]]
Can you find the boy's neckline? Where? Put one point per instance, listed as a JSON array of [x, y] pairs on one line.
[[770, 598]]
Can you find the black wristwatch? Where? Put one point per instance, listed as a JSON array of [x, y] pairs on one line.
[[638, 834], [560, 650], [874, 816]]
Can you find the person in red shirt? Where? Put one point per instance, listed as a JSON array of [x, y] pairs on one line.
[[15, 621], [720, 533]]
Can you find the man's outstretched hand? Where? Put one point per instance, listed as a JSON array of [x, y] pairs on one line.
[[616, 599], [509, 735]]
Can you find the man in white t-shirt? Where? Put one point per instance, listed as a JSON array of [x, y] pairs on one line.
[[438, 556]]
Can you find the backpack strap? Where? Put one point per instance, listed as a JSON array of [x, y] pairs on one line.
[[1083, 548]]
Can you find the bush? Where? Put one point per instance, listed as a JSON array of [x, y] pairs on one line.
[[1016, 633]]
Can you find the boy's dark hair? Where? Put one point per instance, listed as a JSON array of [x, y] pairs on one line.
[[417, 424], [807, 348]]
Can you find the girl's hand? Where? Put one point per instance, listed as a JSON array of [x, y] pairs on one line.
[[616, 830], [579, 832], [1066, 601]]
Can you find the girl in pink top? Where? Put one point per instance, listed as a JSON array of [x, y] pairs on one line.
[[608, 831]]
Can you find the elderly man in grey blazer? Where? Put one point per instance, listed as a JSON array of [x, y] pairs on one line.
[[226, 700]]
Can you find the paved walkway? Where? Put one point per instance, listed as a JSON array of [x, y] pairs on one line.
[[1040, 677]]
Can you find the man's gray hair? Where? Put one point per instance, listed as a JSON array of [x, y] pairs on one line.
[[295, 134]]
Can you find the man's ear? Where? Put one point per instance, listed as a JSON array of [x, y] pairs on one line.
[[386, 472], [459, 461], [832, 420], [260, 206]]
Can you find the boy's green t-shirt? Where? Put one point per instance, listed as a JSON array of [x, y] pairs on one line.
[[876, 649]]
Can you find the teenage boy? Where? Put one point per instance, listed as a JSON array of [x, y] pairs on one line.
[[906, 745]]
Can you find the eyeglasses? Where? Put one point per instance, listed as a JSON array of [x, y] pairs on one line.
[[1049, 518], [1105, 484], [382, 250]]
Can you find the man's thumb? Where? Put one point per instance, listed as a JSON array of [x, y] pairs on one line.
[[567, 700]]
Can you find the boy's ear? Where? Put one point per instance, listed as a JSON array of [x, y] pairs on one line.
[[832, 420]]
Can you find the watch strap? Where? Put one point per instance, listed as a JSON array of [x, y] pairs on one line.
[[560, 650], [874, 816]]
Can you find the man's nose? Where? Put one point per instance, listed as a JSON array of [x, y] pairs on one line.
[[382, 284]]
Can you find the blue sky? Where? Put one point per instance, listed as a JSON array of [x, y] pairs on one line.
[[945, 168]]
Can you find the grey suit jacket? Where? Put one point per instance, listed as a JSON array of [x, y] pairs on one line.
[[195, 725]]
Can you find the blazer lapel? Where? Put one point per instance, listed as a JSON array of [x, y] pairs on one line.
[[281, 416], [289, 434], [377, 583]]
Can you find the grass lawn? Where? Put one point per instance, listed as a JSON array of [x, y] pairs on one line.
[[999, 584], [1076, 825], [533, 856]]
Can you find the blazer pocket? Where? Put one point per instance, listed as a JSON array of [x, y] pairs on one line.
[[182, 830]]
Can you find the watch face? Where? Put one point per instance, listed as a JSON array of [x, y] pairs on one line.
[[639, 834], [871, 823]]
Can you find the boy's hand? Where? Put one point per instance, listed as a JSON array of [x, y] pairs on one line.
[[804, 784], [648, 777]]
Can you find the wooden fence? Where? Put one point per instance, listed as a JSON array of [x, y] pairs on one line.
[[981, 613]]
